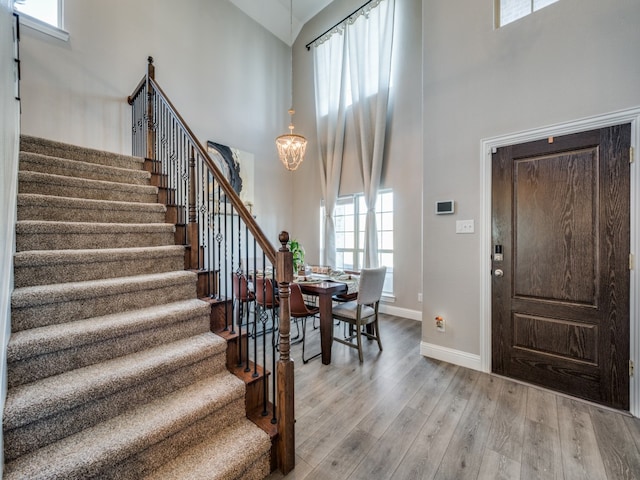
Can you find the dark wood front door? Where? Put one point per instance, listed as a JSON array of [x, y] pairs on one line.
[[560, 264]]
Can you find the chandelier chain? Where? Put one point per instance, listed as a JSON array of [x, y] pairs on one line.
[[291, 147]]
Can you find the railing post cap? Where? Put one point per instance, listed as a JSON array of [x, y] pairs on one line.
[[284, 239]]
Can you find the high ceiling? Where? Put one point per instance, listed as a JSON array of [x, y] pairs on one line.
[[274, 14]]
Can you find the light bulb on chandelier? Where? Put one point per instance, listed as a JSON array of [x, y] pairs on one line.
[[291, 146]]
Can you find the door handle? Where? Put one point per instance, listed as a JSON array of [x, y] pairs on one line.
[[498, 272]]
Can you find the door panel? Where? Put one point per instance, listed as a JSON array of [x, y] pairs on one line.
[[560, 312], [552, 336], [556, 194]]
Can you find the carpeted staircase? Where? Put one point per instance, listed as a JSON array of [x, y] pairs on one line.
[[112, 370]]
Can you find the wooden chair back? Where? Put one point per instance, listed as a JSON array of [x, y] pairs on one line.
[[265, 293]]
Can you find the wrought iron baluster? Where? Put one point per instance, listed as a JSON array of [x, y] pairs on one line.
[[265, 383], [247, 368], [220, 248], [255, 315], [274, 384]]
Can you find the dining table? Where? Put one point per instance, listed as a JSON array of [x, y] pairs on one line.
[[325, 287], [324, 290]]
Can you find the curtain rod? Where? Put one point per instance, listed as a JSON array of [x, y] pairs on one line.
[[308, 45]]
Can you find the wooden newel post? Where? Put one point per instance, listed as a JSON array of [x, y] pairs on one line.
[[285, 378], [151, 131]]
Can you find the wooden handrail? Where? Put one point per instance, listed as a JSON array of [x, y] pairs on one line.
[[136, 90], [264, 243], [282, 260], [143, 81]]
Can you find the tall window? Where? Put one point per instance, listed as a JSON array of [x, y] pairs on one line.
[[329, 83], [352, 70], [349, 215], [47, 11], [508, 11], [43, 15]]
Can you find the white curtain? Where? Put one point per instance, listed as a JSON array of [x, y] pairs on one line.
[[370, 41], [352, 73], [330, 81]]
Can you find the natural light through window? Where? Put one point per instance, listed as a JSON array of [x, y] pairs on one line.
[[349, 218], [333, 81], [47, 11], [508, 11]]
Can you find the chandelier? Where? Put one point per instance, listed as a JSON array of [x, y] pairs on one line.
[[291, 146]]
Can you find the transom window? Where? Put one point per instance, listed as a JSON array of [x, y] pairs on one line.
[[508, 11], [349, 217]]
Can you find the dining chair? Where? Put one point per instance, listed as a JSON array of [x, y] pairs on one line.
[[362, 311], [267, 302], [347, 296], [243, 297], [301, 310]]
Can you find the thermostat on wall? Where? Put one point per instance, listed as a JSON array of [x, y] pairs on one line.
[[445, 207]]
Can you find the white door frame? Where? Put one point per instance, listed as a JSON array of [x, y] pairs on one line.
[[486, 149]]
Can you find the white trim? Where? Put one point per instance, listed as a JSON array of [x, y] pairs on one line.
[[401, 312], [634, 284], [43, 27], [486, 145], [456, 357]]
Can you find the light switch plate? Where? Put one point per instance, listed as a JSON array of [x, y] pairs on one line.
[[464, 226]]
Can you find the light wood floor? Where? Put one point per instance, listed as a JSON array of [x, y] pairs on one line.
[[403, 416]]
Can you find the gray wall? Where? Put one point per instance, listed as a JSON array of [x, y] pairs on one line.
[[403, 169], [458, 81], [227, 76], [230, 79], [573, 59], [9, 129]]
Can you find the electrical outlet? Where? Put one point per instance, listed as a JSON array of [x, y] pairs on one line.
[[464, 226], [420, 297], [440, 324]]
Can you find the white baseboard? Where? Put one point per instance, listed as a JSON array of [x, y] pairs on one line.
[[456, 357], [401, 312]]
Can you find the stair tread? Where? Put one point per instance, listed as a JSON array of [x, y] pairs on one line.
[[78, 168], [57, 266], [53, 201], [33, 235], [33, 144], [36, 226], [52, 257], [45, 397], [46, 294], [64, 180], [51, 338], [86, 453], [223, 456]]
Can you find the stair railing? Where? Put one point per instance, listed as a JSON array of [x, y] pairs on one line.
[[223, 244]]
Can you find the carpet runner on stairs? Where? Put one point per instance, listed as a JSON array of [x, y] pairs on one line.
[[112, 370]]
